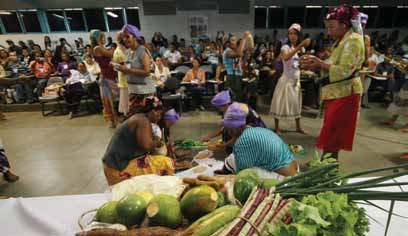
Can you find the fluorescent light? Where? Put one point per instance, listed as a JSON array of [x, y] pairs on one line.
[[112, 14], [402, 6], [370, 6], [133, 8], [73, 9], [69, 18], [5, 13], [274, 7], [313, 6], [259, 6], [58, 16], [113, 8]]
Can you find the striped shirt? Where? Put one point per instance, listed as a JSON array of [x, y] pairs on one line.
[[260, 147]]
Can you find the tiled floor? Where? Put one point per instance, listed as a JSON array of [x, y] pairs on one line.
[[58, 156]]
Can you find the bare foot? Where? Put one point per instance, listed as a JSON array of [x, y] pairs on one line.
[[301, 131], [389, 122], [404, 129], [10, 177], [113, 124]]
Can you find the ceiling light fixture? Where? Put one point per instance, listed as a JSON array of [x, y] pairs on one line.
[[112, 14]]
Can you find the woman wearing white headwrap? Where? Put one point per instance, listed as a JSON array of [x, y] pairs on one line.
[[287, 98]]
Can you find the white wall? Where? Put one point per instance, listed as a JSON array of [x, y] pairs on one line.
[[168, 25]]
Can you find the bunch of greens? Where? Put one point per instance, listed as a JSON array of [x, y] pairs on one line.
[[324, 214], [189, 144]]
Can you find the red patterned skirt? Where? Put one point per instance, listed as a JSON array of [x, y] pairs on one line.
[[339, 125]]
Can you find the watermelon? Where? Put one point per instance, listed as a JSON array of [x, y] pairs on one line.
[[107, 213], [147, 196], [269, 183], [199, 201], [248, 173], [131, 210], [243, 188], [221, 199], [164, 210]]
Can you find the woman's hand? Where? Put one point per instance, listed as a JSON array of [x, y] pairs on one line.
[[312, 63], [305, 42], [122, 68]]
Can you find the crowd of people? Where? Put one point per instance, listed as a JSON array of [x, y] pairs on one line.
[[337, 68]]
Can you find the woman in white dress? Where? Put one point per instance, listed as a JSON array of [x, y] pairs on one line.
[[287, 98]]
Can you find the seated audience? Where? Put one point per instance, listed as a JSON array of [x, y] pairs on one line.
[[42, 71], [25, 58], [196, 77], [73, 90], [220, 74], [48, 44], [4, 58], [92, 67], [190, 54], [12, 47], [66, 65], [161, 73], [173, 56], [386, 69]]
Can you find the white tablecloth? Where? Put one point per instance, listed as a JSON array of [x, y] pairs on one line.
[[57, 216]]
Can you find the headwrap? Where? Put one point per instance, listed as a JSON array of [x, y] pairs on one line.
[[151, 103], [343, 13], [95, 34], [221, 99], [235, 116], [171, 116], [133, 30], [363, 18], [296, 27]]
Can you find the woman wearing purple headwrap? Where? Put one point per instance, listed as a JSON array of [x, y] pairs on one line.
[[137, 69], [169, 119], [255, 147], [222, 101]]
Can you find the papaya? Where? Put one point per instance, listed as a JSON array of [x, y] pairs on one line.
[[164, 210], [199, 201]]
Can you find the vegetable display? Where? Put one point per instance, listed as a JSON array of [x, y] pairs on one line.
[[189, 144], [318, 202], [199, 201], [164, 210]]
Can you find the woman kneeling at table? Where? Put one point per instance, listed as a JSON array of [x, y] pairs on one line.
[[127, 154], [255, 147]]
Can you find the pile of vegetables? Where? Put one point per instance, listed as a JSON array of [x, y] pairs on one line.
[[318, 202], [189, 144], [324, 176], [205, 209], [323, 214]]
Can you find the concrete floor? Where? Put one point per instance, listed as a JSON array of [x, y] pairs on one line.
[[58, 156]]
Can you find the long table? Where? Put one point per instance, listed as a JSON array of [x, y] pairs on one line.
[[58, 215]]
